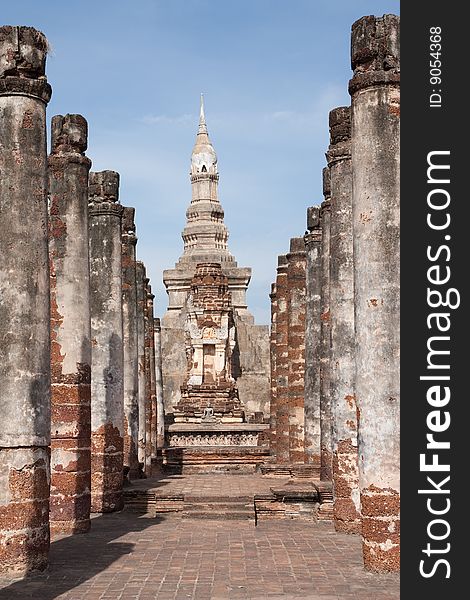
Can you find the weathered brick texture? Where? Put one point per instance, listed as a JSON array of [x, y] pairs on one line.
[[296, 261]]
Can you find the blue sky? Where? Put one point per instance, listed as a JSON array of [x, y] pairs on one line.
[[270, 71]]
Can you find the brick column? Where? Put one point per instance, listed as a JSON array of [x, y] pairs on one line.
[[312, 337], [142, 399], [296, 260], [107, 393], [273, 352], [325, 398], [159, 384], [282, 364], [70, 326], [24, 303], [374, 90], [343, 339], [131, 358]]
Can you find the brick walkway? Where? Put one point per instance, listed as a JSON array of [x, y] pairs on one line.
[[127, 556], [210, 485]]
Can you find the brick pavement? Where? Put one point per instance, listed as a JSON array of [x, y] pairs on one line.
[[128, 556], [210, 485]]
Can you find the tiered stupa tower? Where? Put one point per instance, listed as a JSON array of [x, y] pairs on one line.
[[218, 345], [205, 235]]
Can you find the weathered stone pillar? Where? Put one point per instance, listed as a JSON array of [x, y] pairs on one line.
[[70, 326], [282, 364], [152, 379], [325, 398], [374, 90], [343, 340], [131, 358], [312, 338], [107, 393], [148, 336], [24, 303], [142, 399], [296, 260], [159, 384], [273, 352]]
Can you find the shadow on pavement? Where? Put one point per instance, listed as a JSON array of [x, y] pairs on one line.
[[75, 559]]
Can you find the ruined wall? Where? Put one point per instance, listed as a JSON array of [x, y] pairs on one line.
[[254, 381]]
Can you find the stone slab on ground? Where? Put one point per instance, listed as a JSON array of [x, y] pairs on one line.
[[126, 556]]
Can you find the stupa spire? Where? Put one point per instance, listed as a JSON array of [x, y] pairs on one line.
[[205, 234], [202, 117]]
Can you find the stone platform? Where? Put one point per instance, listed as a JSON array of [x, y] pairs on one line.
[[204, 448], [232, 497]]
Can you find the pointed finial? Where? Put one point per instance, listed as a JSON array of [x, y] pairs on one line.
[[202, 118]]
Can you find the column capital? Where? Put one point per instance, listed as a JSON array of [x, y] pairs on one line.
[[340, 135], [128, 235], [23, 53], [103, 194], [69, 133], [314, 234], [375, 52]]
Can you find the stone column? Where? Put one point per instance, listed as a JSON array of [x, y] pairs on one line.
[[375, 138], [325, 398], [148, 336], [70, 326], [152, 379], [131, 358], [343, 339], [282, 364], [296, 260], [312, 436], [24, 303], [159, 384], [141, 309], [107, 392], [273, 351]]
